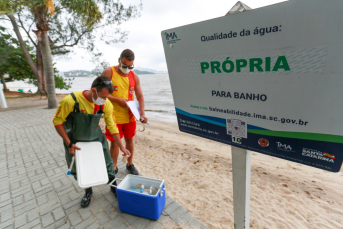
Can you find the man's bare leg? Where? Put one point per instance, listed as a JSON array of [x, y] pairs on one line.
[[130, 166], [130, 147], [114, 149]]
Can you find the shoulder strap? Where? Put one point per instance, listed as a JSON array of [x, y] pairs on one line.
[[76, 109], [77, 105]]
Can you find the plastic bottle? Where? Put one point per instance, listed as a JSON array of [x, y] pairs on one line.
[[153, 190], [140, 187]]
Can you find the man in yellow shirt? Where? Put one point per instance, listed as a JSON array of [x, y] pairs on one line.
[[126, 84], [86, 107]]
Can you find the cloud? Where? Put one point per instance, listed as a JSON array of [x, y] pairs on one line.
[[145, 32]]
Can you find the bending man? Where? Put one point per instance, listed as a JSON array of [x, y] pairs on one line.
[[82, 107]]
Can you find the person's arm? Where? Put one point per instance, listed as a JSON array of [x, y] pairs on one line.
[[122, 102], [62, 132], [121, 146], [112, 126], [140, 99]]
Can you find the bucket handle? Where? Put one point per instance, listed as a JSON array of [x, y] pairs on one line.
[[160, 189], [112, 185]]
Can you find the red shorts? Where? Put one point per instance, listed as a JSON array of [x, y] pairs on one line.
[[128, 130]]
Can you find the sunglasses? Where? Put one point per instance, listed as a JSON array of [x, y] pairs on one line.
[[103, 83], [126, 66]]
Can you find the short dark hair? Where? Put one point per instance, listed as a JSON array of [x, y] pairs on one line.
[[128, 54], [102, 82]]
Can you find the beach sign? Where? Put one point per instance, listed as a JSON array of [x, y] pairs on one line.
[[267, 80]]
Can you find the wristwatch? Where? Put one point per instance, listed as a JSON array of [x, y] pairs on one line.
[[70, 145]]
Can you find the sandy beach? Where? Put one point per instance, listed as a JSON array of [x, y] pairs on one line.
[[198, 175]]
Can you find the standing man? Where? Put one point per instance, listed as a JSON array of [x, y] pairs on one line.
[[77, 120], [126, 84]]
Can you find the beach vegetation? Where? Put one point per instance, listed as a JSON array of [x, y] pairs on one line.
[[14, 63], [56, 27], [12, 59]]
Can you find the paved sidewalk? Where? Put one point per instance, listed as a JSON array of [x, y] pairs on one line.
[[35, 191]]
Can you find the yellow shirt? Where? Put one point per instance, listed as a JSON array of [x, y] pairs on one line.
[[124, 87], [67, 106]]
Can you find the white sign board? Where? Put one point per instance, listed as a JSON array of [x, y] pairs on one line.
[[267, 80]]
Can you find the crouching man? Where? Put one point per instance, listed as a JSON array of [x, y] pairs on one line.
[[77, 120]]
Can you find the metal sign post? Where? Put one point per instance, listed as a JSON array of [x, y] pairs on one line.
[[3, 103], [241, 167]]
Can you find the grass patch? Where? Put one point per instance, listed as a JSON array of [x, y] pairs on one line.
[[16, 97]]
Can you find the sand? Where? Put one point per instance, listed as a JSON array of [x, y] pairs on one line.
[[198, 175]]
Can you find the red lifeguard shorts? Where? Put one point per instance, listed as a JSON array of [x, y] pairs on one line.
[[128, 130]]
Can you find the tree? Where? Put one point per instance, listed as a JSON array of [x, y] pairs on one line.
[[70, 23], [13, 62], [5, 49], [60, 82], [12, 59]]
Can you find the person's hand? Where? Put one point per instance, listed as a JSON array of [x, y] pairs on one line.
[[122, 102], [72, 149], [125, 152], [143, 119]]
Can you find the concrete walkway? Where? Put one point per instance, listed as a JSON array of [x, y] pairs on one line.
[[35, 191]]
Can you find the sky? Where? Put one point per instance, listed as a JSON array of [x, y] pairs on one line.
[[144, 37]]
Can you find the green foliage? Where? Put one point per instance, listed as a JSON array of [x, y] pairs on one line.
[[87, 11], [7, 6], [74, 22], [12, 59], [5, 46], [62, 83], [72, 25], [13, 62]]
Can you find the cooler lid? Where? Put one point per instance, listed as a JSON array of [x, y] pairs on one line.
[[90, 164]]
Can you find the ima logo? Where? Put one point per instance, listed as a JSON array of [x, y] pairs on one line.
[[170, 35], [284, 147]]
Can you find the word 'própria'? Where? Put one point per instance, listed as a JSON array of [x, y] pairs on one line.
[[257, 64]]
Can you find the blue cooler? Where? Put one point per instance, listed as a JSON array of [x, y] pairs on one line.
[[140, 204]]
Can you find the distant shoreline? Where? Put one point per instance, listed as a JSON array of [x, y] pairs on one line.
[[137, 72], [84, 73]]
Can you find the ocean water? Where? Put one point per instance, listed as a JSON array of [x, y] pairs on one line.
[[156, 89]]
